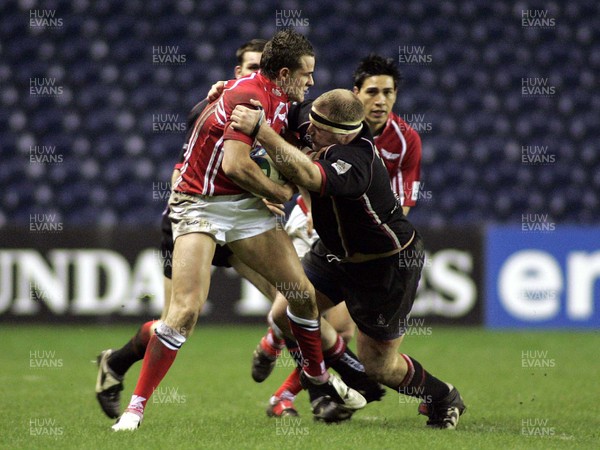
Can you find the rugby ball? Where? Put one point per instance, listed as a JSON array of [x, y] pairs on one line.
[[266, 164]]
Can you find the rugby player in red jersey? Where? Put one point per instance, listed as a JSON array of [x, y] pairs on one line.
[[216, 200], [368, 255], [113, 364], [376, 81]]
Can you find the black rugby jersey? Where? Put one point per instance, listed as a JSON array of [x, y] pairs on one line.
[[356, 210]]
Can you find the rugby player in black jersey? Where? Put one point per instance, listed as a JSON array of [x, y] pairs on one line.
[[369, 254]]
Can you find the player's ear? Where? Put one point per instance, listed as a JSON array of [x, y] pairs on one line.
[[237, 72], [355, 90], [284, 72]]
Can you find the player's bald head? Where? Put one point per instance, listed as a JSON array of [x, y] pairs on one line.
[[340, 106]]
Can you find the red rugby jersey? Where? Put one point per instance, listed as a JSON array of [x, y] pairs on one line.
[[201, 171], [400, 148]]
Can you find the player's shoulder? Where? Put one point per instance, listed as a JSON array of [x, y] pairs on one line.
[[244, 87], [398, 125], [360, 149]]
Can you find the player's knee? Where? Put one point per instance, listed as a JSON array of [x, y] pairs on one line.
[[183, 317], [347, 334], [374, 370]]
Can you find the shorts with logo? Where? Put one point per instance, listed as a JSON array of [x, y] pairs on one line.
[[226, 218], [220, 259], [379, 294]]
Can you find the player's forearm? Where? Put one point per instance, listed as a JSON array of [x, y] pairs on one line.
[[290, 161], [250, 178]]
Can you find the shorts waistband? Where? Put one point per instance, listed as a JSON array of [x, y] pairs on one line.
[[221, 198], [364, 257]]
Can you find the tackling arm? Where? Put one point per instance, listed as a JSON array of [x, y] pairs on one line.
[[238, 166], [290, 161]]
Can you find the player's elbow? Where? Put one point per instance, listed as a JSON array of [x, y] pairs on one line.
[[233, 169]]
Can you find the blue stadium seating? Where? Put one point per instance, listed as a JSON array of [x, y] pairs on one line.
[[101, 122]]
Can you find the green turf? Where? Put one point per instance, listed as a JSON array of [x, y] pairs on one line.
[[208, 399]]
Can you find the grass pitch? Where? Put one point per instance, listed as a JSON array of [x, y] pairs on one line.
[[523, 390]]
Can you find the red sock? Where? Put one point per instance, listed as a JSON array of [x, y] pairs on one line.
[[157, 362], [308, 336], [274, 340], [291, 385], [271, 344]]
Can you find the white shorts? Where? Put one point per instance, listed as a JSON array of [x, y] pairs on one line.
[[226, 218], [296, 228]]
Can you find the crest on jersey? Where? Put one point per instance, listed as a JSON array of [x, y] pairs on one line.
[[389, 155], [341, 166]]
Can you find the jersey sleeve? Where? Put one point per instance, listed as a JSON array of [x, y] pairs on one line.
[[344, 171], [232, 98], [410, 169]]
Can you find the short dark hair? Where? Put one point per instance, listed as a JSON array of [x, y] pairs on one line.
[[374, 65], [255, 45], [284, 50]]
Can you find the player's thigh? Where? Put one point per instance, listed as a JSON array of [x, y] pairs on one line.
[[272, 255], [340, 319], [191, 268]]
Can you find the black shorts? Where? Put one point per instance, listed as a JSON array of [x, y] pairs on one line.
[[220, 259], [379, 294]]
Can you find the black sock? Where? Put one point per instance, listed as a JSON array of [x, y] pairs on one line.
[[133, 351], [353, 373], [418, 383]]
